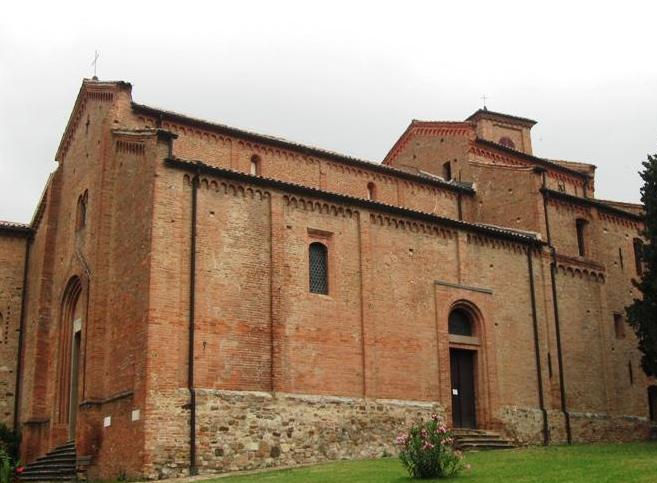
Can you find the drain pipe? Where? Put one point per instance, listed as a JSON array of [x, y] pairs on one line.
[[192, 300], [21, 329], [537, 350], [555, 303]]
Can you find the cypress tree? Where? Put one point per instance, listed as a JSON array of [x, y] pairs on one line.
[[642, 314]]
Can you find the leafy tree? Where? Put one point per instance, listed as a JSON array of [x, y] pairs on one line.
[[642, 314]]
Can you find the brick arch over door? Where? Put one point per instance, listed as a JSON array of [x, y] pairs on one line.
[[70, 321], [473, 347]]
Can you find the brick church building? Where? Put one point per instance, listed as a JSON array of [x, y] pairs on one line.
[[190, 295]]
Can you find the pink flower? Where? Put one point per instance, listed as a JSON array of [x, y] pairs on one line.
[[434, 417], [402, 439]]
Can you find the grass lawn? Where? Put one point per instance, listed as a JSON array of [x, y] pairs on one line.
[[591, 462]]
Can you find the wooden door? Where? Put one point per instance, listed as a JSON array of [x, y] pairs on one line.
[[463, 388]]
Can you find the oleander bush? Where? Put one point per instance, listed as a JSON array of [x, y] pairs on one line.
[[427, 451]]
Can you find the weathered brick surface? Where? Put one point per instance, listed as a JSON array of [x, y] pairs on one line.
[[345, 371], [12, 263]]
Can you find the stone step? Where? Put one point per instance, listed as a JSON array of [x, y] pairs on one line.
[[57, 457], [486, 446], [47, 474], [479, 439], [473, 432], [57, 465], [45, 479], [45, 465], [463, 441]]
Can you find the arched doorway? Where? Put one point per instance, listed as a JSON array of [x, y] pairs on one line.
[[463, 355], [71, 319]]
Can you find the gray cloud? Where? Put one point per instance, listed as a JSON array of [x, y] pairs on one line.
[[347, 76]]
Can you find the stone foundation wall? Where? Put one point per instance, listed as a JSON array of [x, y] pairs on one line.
[[247, 430], [525, 426], [591, 427]]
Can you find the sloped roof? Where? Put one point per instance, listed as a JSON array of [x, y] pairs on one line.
[[529, 157], [295, 146], [609, 207], [196, 166], [14, 228], [576, 165], [486, 114]]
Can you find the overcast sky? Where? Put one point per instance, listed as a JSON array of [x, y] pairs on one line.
[[347, 76]]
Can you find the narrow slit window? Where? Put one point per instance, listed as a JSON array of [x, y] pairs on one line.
[[318, 268], [447, 171], [81, 211], [371, 191], [638, 252], [256, 165], [619, 326], [580, 225], [620, 257]]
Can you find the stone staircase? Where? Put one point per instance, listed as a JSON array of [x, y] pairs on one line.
[[479, 439], [57, 465]]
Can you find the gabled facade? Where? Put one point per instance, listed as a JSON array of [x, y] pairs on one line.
[[191, 296]]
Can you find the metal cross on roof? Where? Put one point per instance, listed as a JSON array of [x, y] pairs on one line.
[[95, 62], [484, 97]]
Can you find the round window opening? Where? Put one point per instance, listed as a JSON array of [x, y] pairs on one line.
[[460, 323]]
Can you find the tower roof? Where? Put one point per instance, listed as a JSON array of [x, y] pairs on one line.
[[499, 116]]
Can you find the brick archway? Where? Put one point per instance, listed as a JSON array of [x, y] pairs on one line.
[[70, 335], [467, 353]]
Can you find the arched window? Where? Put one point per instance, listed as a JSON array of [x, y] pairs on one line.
[[460, 323], [580, 225], [637, 244], [447, 171], [255, 165], [506, 141], [371, 191], [81, 211], [318, 268]]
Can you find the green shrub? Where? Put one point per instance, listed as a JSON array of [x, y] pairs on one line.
[[426, 451], [9, 441]]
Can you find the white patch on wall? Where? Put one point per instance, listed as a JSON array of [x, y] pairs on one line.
[[107, 422], [135, 414], [77, 325]]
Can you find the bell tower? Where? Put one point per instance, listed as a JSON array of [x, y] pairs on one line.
[[509, 131]]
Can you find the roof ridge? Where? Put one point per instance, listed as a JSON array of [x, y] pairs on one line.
[[313, 150], [485, 111], [402, 210], [515, 152]]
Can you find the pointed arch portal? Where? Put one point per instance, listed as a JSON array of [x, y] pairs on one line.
[[70, 343]]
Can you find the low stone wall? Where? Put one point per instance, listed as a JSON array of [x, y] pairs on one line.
[[247, 430], [521, 425], [591, 427], [525, 426]]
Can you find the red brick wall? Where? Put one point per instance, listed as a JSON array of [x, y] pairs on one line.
[[316, 171], [12, 266], [381, 332]]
